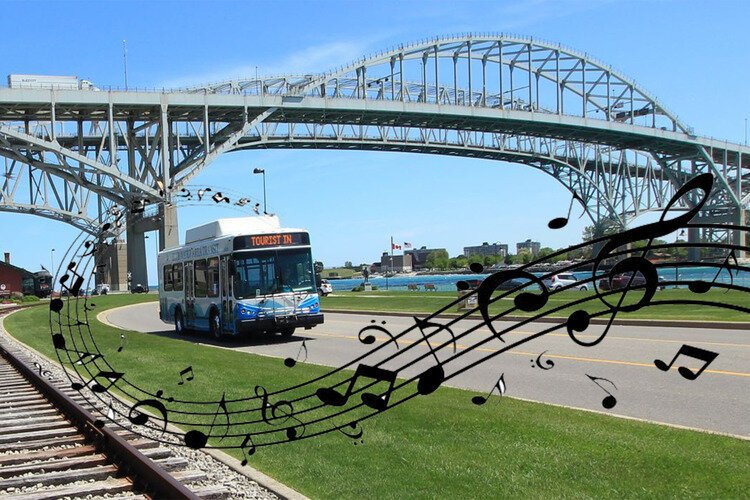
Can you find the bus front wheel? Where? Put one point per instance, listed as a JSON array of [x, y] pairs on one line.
[[214, 324], [287, 332]]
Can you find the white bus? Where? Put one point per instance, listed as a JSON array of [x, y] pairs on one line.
[[240, 275]]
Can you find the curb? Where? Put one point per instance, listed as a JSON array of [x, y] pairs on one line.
[[719, 325]]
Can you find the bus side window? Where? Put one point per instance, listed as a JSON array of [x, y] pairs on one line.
[[167, 280], [213, 277], [177, 277], [200, 278]]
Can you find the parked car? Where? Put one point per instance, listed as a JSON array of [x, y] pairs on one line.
[[325, 288], [621, 281], [566, 279], [101, 289], [139, 289]]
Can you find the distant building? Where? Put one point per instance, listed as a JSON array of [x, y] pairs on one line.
[[528, 245], [419, 256], [12, 277], [396, 263], [486, 249]]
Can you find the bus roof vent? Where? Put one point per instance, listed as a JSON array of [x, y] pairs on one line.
[[234, 227]]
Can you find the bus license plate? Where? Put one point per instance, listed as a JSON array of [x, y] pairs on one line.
[[286, 319]]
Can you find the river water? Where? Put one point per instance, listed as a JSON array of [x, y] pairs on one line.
[[447, 282]]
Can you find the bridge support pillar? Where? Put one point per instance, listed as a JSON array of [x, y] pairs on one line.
[[137, 271], [169, 234], [694, 236], [740, 237]]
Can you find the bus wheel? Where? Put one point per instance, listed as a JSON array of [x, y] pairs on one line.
[[214, 325], [179, 324], [287, 332]]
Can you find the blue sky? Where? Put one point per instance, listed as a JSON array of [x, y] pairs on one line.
[[691, 55]]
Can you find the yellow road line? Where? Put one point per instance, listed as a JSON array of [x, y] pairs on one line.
[[523, 353]]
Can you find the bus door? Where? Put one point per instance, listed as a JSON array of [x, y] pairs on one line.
[[227, 305], [189, 295]]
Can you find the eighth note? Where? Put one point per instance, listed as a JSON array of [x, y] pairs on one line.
[[122, 342], [610, 401], [691, 352], [290, 362], [701, 286], [499, 385], [561, 222], [184, 372]]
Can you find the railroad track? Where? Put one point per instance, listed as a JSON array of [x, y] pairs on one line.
[[51, 446]]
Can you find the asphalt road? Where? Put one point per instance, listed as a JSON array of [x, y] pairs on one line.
[[718, 400]]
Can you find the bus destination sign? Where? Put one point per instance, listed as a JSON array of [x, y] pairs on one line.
[[271, 240]]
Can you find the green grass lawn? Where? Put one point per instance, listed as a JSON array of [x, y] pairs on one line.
[[428, 302], [436, 446]]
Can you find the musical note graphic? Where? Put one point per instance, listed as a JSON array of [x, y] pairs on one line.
[[429, 381], [88, 307], [331, 397], [610, 401], [247, 451], [218, 198], [197, 439], [138, 206], [140, 418], [547, 365], [370, 339], [111, 377], [701, 286], [476, 267], [43, 372], [282, 409], [256, 208], [56, 305], [77, 283], [201, 192], [122, 342], [499, 385], [561, 222], [111, 410], [85, 358], [357, 434], [691, 352], [185, 194], [184, 372], [290, 362], [525, 301], [242, 202]]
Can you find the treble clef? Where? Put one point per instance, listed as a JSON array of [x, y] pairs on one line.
[[579, 320], [525, 301]]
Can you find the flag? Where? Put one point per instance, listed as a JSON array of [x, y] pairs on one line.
[[407, 245], [395, 247]]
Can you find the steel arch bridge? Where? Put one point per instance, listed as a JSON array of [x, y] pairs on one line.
[[481, 96]]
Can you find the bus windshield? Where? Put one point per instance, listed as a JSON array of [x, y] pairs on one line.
[[272, 271]]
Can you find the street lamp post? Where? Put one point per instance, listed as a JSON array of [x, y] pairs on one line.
[[52, 260], [676, 277], [262, 171]]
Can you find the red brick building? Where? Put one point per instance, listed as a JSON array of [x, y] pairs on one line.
[[11, 277]]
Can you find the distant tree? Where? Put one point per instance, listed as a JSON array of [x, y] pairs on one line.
[[318, 266], [348, 264], [523, 257], [509, 259], [438, 259], [544, 252]]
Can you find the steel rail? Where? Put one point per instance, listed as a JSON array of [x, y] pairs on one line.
[[147, 477]]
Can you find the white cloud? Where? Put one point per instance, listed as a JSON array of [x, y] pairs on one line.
[[314, 59]]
